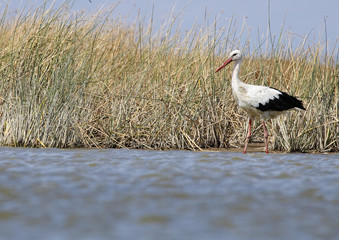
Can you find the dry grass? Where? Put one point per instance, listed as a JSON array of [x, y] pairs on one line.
[[77, 82]]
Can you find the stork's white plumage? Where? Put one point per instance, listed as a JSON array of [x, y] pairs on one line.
[[258, 101]]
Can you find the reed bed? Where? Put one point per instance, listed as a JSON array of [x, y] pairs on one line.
[[74, 81]]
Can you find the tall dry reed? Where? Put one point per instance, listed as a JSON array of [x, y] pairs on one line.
[[73, 81]]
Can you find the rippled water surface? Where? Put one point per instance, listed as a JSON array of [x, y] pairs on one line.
[[132, 194]]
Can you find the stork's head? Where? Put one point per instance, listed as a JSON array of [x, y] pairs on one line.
[[235, 55]]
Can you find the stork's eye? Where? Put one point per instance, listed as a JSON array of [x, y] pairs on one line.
[[233, 54]]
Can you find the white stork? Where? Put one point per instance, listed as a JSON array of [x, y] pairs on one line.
[[258, 101]]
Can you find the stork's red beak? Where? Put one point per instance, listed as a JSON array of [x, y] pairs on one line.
[[224, 65]]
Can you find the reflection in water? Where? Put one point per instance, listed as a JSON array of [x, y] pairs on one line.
[[136, 194]]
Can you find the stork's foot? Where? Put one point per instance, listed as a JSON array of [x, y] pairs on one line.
[[246, 143], [265, 137]]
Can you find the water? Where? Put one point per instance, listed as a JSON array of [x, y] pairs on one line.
[[134, 194]]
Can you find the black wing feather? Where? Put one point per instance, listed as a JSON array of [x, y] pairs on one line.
[[281, 103]]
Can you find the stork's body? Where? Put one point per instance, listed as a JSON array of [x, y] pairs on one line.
[[258, 101]]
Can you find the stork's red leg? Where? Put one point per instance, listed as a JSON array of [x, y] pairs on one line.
[[248, 135], [265, 136]]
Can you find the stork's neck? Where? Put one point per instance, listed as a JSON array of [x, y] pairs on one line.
[[235, 75]]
